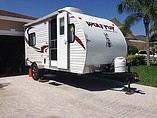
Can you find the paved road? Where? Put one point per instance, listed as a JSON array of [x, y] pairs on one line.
[[74, 97]]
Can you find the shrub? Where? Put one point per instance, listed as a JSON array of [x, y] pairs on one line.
[[136, 59], [132, 49]]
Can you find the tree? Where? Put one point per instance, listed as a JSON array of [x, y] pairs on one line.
[[145, 10], [125, 31], [153, 31], [132, 49]]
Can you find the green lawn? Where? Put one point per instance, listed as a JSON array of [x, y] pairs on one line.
[[147, 74]]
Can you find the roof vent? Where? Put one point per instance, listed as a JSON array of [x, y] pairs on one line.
[[71, 9]]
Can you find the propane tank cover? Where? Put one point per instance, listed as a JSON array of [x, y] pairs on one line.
[[119, 64]]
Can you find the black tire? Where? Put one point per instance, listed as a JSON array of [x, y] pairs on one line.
[[35, 71]]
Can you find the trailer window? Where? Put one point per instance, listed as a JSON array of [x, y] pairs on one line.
[[62, 26], [32, 39], [71, 33]]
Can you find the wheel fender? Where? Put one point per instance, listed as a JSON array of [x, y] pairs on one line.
[[39, 64]]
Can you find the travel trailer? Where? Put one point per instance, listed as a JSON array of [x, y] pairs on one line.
[[70, 41]]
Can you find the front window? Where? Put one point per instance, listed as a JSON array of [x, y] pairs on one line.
[[32, 39], [71, 33]]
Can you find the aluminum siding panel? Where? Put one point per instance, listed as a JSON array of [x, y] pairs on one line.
[[77, 52]]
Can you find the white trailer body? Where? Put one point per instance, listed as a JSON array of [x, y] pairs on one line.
[[68, 40]]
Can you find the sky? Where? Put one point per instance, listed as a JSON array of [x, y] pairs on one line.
[[99, 8]]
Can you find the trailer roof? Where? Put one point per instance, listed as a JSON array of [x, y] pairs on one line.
[[45, 18]]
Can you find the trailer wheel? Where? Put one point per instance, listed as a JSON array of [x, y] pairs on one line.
[[35, 71]]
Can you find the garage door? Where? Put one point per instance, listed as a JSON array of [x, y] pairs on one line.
[[11, 54]]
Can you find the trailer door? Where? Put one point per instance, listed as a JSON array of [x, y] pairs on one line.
[[62, 43]]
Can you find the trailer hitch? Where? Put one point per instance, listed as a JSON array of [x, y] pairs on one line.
[[132, 77], [129, 92]]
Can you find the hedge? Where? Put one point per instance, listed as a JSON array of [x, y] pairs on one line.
[[136, 59]]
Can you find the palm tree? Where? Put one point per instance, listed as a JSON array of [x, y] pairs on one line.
[[145, 10], [153, 37], [153, 31]]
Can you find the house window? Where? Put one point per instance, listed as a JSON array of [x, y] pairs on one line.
[[32, 39]]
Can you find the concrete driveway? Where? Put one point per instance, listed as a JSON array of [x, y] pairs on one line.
[[74, 97]]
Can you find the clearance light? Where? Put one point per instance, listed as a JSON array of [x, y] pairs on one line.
[[80, 18]]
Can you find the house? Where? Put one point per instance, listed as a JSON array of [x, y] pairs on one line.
[[12, 41], [130, 38]]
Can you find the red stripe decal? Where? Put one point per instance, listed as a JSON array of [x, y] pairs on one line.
[[79, 41], [42, 48]]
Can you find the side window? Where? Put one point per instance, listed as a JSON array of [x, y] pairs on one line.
[[32, 39], [62, 26], [71, 33]]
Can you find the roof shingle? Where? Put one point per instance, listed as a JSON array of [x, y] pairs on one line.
[[16, 15]]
